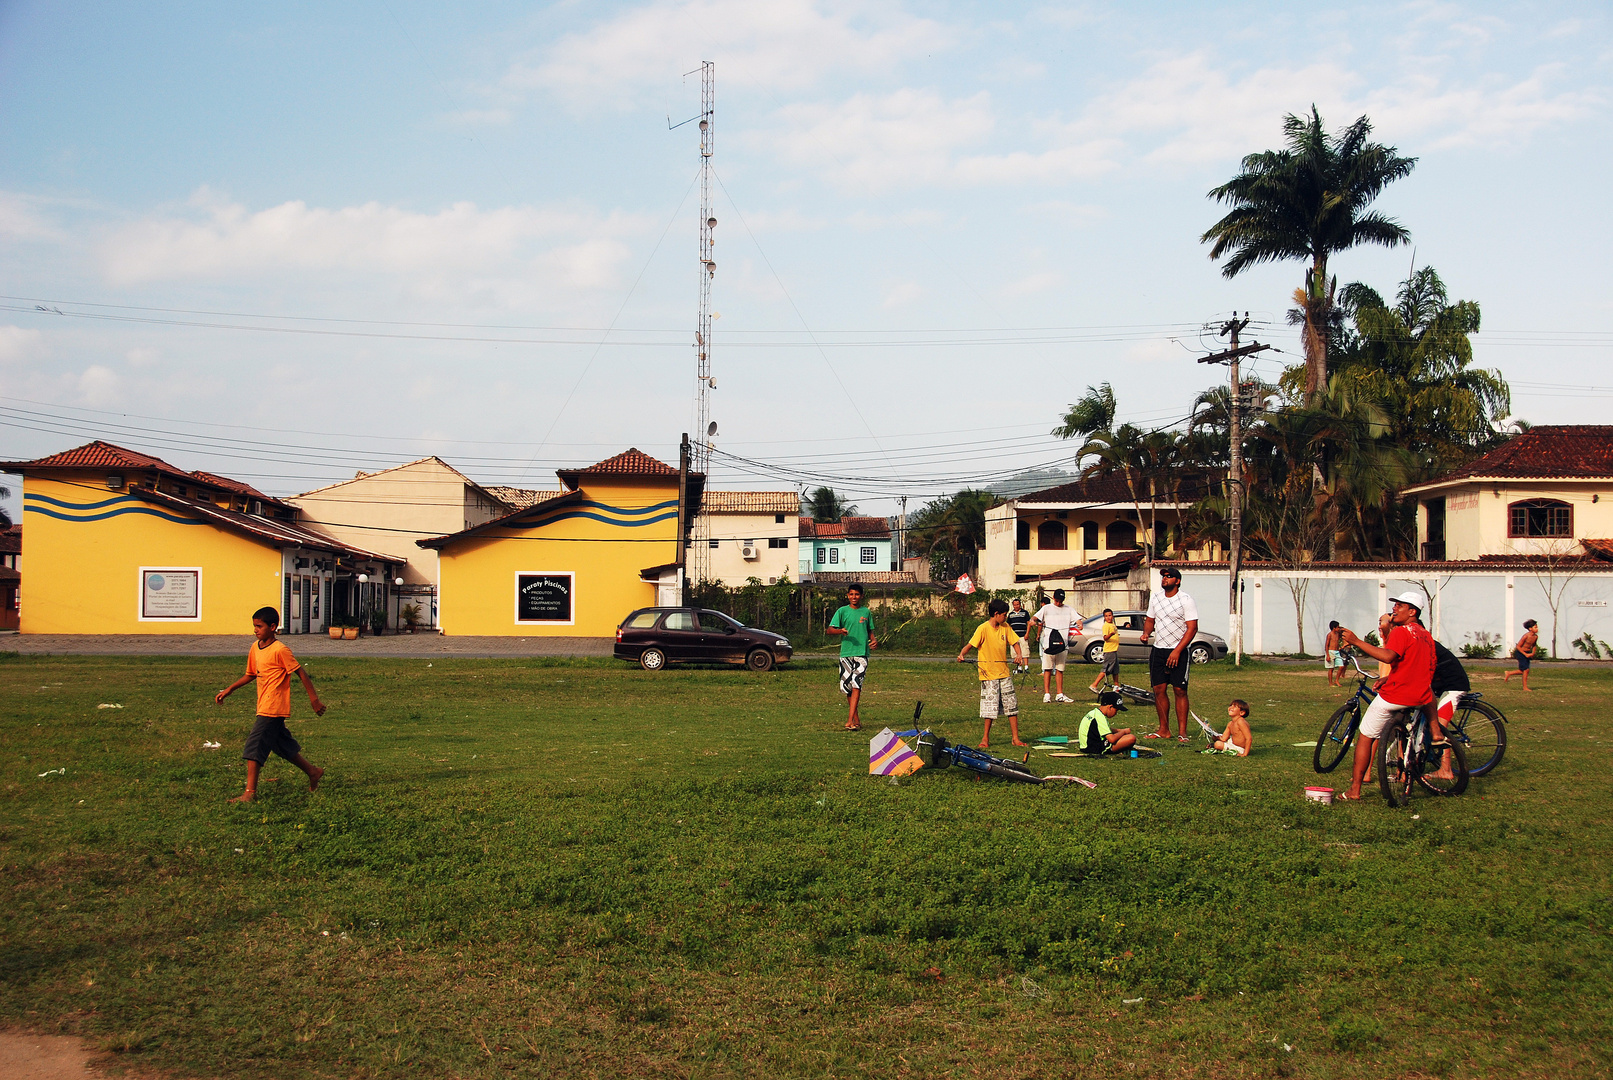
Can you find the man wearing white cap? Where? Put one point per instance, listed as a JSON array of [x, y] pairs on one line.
[[1409, 651]]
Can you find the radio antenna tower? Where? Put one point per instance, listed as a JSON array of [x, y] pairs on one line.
[[704, 382]]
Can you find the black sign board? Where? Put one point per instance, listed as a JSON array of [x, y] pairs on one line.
[[543, 598]]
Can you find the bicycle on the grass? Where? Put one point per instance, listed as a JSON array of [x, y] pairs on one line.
[[1478, 727], [1406, 756]]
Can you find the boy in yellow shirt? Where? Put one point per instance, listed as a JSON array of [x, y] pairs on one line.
[[272, 665], [1111, 653], [997, 698]]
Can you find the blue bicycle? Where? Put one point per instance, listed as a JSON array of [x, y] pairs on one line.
[[1478, 727]]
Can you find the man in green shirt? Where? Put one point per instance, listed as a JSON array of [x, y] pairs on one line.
[[852, 624]]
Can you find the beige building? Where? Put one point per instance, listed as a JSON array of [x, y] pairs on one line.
[[1051, 535], [750, 534], [1539, 493], [391, 509]]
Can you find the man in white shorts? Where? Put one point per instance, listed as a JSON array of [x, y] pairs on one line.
[[1409, 651], [1058, 624]]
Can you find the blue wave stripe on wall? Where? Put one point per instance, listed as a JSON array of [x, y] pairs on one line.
[[110, 514], [113, 501], [592, 517]]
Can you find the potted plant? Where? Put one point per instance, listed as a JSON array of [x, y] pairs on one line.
[[411, 616], [377, 619], [350, 628], [336, 629]]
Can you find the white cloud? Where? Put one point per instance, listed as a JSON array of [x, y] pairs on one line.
[[1066, 213], [98, 386], [18, 343], [879, 140], [142, 357], [1030, 284], [781, 44], [20, 219], [901, 293], [493, 254], [1193, 111]]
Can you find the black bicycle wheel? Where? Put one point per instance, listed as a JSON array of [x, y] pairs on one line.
[[1481, 730], [1428, 772], [933, 751], [1394, 777], [1337, 735]]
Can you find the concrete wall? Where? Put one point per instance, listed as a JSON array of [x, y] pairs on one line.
[[86, 548], [622, 526], [1462, 605], [731, 531]]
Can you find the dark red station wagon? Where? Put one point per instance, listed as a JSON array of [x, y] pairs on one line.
[[656, 637]]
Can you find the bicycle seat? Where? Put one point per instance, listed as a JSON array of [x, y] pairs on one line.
[[1471, 695]]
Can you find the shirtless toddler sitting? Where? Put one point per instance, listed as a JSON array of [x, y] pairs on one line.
[[1237, 738]]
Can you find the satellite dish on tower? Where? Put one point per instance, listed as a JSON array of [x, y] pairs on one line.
[[711, 430]]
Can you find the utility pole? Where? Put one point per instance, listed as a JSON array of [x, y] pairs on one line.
[[683, 516], [901, 536], [1232, 327]]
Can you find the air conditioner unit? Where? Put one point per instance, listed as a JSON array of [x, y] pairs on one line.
[[747, 553]]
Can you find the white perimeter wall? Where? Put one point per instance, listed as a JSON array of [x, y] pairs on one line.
[[1489, 602]]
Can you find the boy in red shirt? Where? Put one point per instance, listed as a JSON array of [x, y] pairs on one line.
[[1409, 651], [272, 665]]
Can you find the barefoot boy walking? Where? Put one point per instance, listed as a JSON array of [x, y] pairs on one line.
[[272, 665]]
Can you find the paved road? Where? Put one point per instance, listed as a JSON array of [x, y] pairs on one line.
[[396, 646]]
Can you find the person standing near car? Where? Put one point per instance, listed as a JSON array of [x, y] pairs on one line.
[[1111, 654], [852, 624], [1175, 617], [1057, 625], [1019, 620]]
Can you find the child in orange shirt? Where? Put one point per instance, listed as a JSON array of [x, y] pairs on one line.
[[272, 665]]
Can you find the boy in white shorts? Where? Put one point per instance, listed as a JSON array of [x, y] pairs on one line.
[[1408, 649]]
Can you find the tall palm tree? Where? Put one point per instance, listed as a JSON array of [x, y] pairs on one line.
[[1308, 201], [5, 517]]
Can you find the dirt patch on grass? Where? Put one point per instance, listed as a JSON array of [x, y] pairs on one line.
[[53, 1057]]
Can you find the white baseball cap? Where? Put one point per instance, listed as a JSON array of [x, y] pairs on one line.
[[1415, 597]]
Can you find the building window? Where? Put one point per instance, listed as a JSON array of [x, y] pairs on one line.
[[834, 555], [1120, 536], [870, 556], [778, 519], [1540, 518], [713, 543], [778, 541], [822, 556], [1052, 536], [1022, 535], [1089, 536]]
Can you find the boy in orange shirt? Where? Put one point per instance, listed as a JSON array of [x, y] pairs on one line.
[[271, 664]]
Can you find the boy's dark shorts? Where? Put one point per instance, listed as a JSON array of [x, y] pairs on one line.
[[1523, 661], [1111, 663], [1159, 674], [1096, 743], [269, 736]]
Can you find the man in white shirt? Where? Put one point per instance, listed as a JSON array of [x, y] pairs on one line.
[[1056, 623], [1172, 621]]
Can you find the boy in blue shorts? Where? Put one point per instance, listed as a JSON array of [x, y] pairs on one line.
[[272, 665]]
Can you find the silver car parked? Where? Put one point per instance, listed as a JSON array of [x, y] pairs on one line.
[[1089, 645]]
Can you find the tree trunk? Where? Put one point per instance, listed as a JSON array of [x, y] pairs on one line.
[[1316, 327]]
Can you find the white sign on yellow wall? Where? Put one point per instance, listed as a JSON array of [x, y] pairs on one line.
[[170, 593]]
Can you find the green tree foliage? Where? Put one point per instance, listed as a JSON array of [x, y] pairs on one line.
[[1308, 201], [951, 530], [826, 504], [5, 518]]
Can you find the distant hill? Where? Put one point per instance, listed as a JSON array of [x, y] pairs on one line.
[[1031, 480]]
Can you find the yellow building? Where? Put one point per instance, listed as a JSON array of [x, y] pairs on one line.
[[572, 565], [123, 543]]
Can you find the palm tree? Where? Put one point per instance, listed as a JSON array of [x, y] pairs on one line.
[[5, 517], [826, 504], [954, 526], [1308, 201], [1095, 412]]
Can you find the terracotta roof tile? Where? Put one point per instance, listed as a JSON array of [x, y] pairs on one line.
[[630, 462], [97, 455], [520, 498], [871, 528], [1099, 490], [752, 502], [227, 484], [11, 540], [1546, 452]]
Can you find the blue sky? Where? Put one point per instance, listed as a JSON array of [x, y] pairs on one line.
[[286, 241]]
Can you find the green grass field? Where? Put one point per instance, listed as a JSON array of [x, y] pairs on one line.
[[573, 868]]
